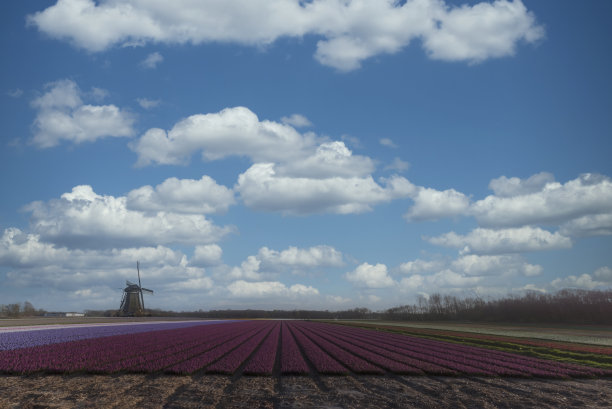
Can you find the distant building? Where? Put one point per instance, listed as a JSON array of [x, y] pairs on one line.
[[64, 314]]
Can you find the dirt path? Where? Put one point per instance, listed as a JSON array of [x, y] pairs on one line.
[[326, 392]]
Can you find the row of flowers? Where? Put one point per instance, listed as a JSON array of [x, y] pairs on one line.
[[285, 347]]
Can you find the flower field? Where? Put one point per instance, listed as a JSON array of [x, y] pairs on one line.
[[13, 338], [262, 348]]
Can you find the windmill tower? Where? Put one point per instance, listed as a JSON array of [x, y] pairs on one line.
[[132, 302]]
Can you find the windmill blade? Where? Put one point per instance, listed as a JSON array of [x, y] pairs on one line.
[[147, 290], [139, 284], [129, 283]]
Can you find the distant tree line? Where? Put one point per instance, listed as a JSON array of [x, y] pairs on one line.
[[17, 310], [565, 306]]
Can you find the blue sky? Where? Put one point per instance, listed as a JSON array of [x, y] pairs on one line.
[[284, 154]]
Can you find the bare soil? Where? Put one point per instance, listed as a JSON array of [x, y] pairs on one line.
[[323, 392]]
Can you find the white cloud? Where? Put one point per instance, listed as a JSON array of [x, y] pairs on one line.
[[62, 115], [585, 281], [387, 142], [350, 32], [482, 31], [239, 132], [60, 94], [449, 278], [191, 284], [443, 280], [230, 132], [538, 200], [83, 218], [509, 187], [532, 287], [263, 289], [268, 262], [398, 165], [431, 204], [330, 159], [293, 172], [38, 263], [201, 196], [370, 276], [415, 281], [15, 93], [296, 120], [206, 255], [249, 269], [337, 299], [502, 241], [420, 266], [604, 274], [477, 265], [152, 60], [148, 103], [601, 278], [293, 257], [98, 94], [592, 225], [262, 189]]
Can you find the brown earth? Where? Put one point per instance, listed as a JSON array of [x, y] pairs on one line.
[[324, 392]]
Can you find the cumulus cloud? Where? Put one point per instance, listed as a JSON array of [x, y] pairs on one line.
[[294, 257], [206, 255], [509, 187], [482, 31], [34, 262], [191, 284], [230, 132], [604, 274], [583, 281], [449, 278], [82, 218], [262, 189], [296, 120], [268, 261], [350, 32], [503, 241], [292, 172], [470, 265], [591, 225], [398, 165], [15, 93], [152, 60], [370, 276], [421, 266], [387, 142], [62, 116], [263, 289], [539, 200], [330, 159], [201, 196], [444, 279], [431, 204], [98, 94], [148, 103], [249, 270], [479, 265]]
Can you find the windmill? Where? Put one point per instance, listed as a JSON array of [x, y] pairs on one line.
[[132, 302]]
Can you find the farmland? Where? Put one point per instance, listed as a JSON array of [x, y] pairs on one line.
[[320, 361]]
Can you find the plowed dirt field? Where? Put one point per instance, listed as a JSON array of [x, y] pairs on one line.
[[324, 392]]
